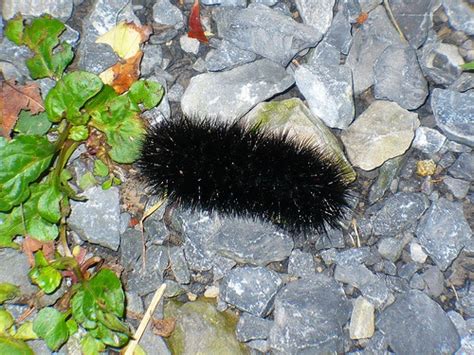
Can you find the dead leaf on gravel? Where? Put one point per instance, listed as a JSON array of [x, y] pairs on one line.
[[31, 246], [122, 75], [125, 38], [16, 98], [164, 327]]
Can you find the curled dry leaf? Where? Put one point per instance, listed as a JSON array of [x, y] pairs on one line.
[[31, 245], [195, 27], [16, 98], [122, 75], [125, 38], [363, 16], [164, 327]]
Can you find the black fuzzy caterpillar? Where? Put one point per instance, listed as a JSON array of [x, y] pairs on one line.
[[248, 172]]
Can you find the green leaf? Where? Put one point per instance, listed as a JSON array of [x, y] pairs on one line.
[[107, 184], [23, 159], [91, 345], [40, 259], [100, 168], [99, 102], [146, 92], [70, 94], [87, 180], [50, 325], [72, 326], [6, 321], [46, 277], [468, 66], [14, 30], [32, 124], [26, 332], [107, 288], [12, 346], [112, 322], [108, 336], [42, 37], [8, 291], [29, 218], [79, 133]]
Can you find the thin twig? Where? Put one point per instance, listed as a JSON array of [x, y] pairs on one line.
[[392, 18], [146, 319]]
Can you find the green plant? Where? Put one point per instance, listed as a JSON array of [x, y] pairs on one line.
[[35, 183]]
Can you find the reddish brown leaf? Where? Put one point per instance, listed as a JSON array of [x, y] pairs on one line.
[[363, 16], [164, 327], [31, 245], [15, 98], [195, 27], [122, 75]]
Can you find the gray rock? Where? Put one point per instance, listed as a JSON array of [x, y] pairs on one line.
[[417, 253], [175, 93], [458, 187], [398, 77], [339, 33], [399, 212], [265, 2], [266, 32], [428, 140], [463, 83], [458, 148], [251, 289], [235, 3], [415, 324], [165, 13], [301, 264], [134, 302], [461, 14], [406, 271], [328, 91], [14, 268], [131, 245], [443, 231], [387, 173], [333, 239], [104, 15], [371, 286], [440, 62], [152, 343], [253, 242], [152, 57], [369, 41], [15, 55], [188, 44], [463, 167], [46, 84], [414, 19], [383, 131], [368, 5], [391, 248], [434, 280], [302, 325], [179, 265], [61, 9], [98, 219], [144, 281], [361, 255], [228, 56], [417, 282], [317, 14], [229, 95], [262, 346], [251, 327]]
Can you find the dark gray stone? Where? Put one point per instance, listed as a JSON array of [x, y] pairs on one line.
[[387, 173], [454, 115], [143, 281], [434, 280], [440, 62], [97, 220], [368, 5], [361, 255], [459, 188], [251, 327], [301, 264], [428, 140], [417, 282], [460, 13], [228, 56], [339, 34], [399, 212], [463, 83], [14, 268], [165, 13], [179, 266], [152, 57], [309, 317], [253, 242], [61, 9], [369, 41], [236, 3], [415, 324], [406, 271], [251, 289], [131, 245], [328, 91], [391, 248], [414, 19], [15, 55], [466, 300], [333, 239], [443, 231], [463, 167], [266, 32], [398, 77], [229, 95], [317, 14]]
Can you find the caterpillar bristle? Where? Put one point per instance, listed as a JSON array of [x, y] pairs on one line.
[[247, 172]]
